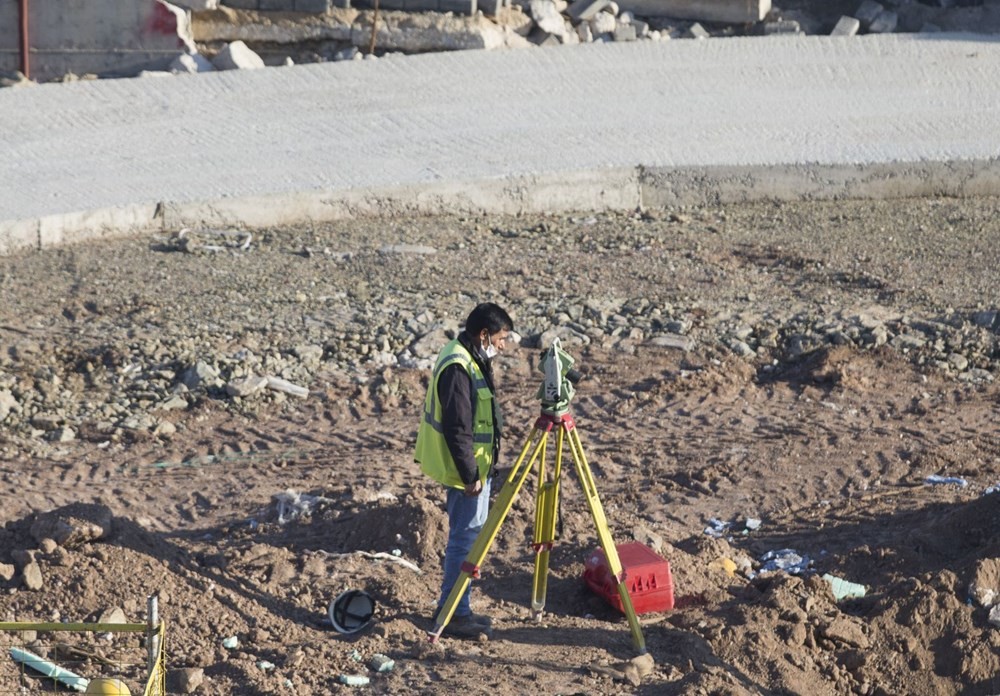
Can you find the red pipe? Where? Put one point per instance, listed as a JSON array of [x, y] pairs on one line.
[[25, 67]]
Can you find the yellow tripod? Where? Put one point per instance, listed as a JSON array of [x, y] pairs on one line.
[[545, 519]]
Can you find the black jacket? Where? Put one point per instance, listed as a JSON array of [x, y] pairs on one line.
[[458, 406]]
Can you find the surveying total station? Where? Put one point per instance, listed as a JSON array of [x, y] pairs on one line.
[[555, 394]]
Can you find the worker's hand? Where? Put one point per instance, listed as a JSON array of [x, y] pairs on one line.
[[473, 489]]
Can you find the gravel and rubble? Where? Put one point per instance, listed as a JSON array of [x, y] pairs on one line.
[[228, 38], [345, 33], [128, 349]]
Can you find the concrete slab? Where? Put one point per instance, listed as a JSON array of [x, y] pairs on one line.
[[728, 119]]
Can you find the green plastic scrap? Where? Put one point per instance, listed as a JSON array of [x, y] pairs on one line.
[[842, 589], [353, 679], [382, 663]]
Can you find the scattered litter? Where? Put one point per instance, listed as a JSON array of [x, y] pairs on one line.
[[196, 241], [381, 663], [407, 249], [843, 589], [788, 560], [283, 385], [353, 679], [231, 643], [350, 612], [265, 665], [992, 489], [995, 616], [960, 482], [380, 556], [717, 528], [49, 669], [356, 656], [289, 684], [724, 564], [397, 553], [292, 505]]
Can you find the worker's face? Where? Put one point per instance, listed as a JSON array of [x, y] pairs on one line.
[[497, 340]]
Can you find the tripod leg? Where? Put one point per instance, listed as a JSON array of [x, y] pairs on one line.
[[498, 512], [546, 508], [604, 535]]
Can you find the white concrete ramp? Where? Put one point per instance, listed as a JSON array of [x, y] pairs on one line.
[[590, 126]]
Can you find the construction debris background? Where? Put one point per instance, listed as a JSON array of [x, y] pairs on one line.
[[205, 35]]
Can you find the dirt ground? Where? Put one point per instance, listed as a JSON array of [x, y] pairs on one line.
[[819, 430]]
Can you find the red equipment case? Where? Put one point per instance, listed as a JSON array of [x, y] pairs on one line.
[[647, 578]]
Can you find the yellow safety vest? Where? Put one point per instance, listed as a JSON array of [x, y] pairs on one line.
[[432, 450]]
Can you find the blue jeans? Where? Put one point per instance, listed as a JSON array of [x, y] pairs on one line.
[[466, 517]]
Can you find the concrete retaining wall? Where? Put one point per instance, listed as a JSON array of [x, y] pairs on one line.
[[611, 189], [103, 37]]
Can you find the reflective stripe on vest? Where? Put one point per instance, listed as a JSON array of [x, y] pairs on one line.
[[432, 449]]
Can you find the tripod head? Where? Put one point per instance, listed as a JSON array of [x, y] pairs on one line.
[[558, 384]]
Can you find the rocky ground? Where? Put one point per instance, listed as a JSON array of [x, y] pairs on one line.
[[806, 366]]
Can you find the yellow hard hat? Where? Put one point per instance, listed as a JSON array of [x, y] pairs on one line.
[[107, 686]]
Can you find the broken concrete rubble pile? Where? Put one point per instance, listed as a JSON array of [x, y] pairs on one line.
[[344, 30], [249, 34]]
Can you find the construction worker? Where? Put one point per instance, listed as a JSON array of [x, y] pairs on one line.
[[458, 442]]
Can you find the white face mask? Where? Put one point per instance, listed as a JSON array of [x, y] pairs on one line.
[[489, 350]]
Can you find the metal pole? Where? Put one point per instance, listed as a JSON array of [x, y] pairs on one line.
[[25, 65], [153, 624]]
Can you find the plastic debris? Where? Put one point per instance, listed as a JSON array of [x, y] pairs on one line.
[[379, 556], [960, 482], [353, 679], [843, 589], [992, 489], [231, 643], [788, 560], [195, 241], [265, 665], [381, 663], [292, 505], [727, 565], [717, 528], [283, 385], [995, 616]]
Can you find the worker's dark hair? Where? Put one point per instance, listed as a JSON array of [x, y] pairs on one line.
[[489, 316]]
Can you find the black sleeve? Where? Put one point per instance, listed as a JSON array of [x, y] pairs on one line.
[[455, 395]]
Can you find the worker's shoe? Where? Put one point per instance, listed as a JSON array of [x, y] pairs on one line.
[[468, 627], [480, 619]]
